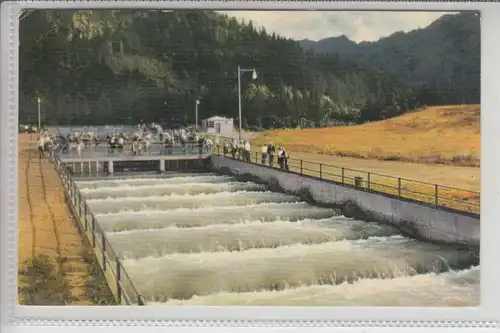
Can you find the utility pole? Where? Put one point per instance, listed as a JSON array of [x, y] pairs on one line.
[[254, 77], [39, 114], [196, 103]]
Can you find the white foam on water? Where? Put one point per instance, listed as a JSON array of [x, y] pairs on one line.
[[237, 237], [183, 275], [167, 188], [202, 178], [172, 201], [187, 217], [454, 288]]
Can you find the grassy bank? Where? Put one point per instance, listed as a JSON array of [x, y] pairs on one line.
[[42, 282], [443, 135]]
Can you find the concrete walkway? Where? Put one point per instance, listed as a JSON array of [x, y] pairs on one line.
[[45, 224]]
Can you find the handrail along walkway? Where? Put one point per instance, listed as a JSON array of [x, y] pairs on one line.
[[439, 196], [119, 281]]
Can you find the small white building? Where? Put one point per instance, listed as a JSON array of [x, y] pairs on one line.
[[218, 124]]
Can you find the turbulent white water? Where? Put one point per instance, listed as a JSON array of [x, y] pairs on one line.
[[447, 289], [173, 201], [206, 239]]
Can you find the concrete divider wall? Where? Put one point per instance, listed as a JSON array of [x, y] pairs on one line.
[[414, 219]]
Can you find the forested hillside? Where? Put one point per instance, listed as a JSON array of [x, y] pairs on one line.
[[445, 56], [96, 67]]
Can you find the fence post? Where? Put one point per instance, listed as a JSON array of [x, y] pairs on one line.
[[301, 166], [86, 216], [436, 195], [399, 187], [103, 250], [93, 231], [256, 157], [118, 279], [369, 180], [320, 171], [343, 171], [80, 203]]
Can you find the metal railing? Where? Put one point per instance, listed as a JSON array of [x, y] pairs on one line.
[[439, 196], [156, 149], [121, 284]]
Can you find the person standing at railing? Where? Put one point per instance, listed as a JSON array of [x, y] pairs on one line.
[[248, 148], [270, 153], [263, 151], [134, 147], [285, 159], [234, 148], [121, 143], [40, 143], [209, 144], [281, 161], [217, 144], [79, 146]]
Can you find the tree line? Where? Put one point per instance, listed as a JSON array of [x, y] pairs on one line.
[[121, 67]]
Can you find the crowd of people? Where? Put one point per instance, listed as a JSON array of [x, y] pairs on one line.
[[140, 141], [268, 153], [241, 149]]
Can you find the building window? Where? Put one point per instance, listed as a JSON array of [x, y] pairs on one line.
[[210, 124], [116, 47]]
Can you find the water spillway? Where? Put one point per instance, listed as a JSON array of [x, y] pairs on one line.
[[207, 239]]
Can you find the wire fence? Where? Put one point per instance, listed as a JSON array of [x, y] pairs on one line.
[[439, 196], [119, 281]]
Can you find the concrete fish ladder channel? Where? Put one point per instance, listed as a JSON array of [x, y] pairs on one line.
[[414, 219]]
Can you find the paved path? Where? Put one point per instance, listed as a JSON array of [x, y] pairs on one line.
[[45, 224]]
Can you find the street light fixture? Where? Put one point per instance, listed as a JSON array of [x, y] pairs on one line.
[[196, 103], [39, 101], [254, 77]]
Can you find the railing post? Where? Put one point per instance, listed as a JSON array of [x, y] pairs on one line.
[[103, 250], [320, 171], [256, 157], [436, 195], [343, 175], [399, 187], [369, 180], [80, 203], [86, 216], [301, 166], [118, 279], [93, 231]]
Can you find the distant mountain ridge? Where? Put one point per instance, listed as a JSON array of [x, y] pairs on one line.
[[444, 54]]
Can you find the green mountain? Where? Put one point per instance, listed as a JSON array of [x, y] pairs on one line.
[[115, 66], [444, 56]]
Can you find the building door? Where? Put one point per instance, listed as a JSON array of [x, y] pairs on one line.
[[217, 127]]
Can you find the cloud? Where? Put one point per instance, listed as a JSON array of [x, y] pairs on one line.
[[358, 26]]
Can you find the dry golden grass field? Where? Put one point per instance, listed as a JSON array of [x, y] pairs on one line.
[[445, 134], [437, 145]]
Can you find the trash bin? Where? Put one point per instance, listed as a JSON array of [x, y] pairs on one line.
[[358, 181]]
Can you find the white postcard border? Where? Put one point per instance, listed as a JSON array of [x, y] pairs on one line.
[[487, 315]]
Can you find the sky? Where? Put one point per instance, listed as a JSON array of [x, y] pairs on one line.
[[357, 26]]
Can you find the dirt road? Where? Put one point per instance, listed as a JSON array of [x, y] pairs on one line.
[[45, 224]]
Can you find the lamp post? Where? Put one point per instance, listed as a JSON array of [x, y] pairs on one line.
[[254, 77], [196, 103], [39, 101]]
